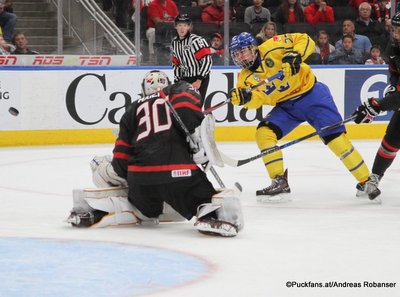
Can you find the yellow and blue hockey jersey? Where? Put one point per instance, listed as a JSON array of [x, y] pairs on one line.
[[271, 53]]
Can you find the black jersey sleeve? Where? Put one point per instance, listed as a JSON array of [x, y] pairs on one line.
[[394, 65], [123, 147], [390, 102]]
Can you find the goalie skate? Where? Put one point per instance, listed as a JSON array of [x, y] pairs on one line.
[[370, 188], [210, 226], [86, 219], [278, 191]]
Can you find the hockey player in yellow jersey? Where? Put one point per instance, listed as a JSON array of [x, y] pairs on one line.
[[297, 97]]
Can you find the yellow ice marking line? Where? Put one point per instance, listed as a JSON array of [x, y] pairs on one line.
[[222, 133]]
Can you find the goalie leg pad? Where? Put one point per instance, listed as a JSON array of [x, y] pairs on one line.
[[227, 219], [231, 208], [113, 201]]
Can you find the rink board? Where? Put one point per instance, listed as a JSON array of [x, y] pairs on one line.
[[81, 105]]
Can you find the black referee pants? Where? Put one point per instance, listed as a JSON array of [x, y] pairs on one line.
[[203, 86]]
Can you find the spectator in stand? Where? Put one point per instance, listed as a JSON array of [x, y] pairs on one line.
[[375, 56], [356, 3], [304, 3], [374, 30], [204, 3], [7, 19], [267, 31], [5, 48], [159, 11], [318, 12], [322, 46], [360, 42], [290, 11], [381, 12], [346, 54], [217, 49], [21, 45], [214, 13], [257, 13]]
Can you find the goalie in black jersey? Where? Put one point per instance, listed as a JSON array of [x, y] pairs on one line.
[[153, 157], [367, 111]]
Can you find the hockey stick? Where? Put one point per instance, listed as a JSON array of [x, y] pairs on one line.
[[279, 74], [185, 129], [236, 163]]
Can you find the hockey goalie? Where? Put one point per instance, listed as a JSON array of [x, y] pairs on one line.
[[154, 174]]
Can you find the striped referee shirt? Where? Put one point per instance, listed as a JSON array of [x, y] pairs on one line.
[[191, 57]]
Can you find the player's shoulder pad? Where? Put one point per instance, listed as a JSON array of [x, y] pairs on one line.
[[181, 86]]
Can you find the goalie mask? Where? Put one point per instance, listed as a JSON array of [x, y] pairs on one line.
[[154, 81]]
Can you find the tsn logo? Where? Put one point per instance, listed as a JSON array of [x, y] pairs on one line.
[[8, 60], [95, 60]]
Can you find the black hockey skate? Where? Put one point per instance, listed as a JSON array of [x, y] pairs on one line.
[[85, 219], [278, 187], [370, 188]]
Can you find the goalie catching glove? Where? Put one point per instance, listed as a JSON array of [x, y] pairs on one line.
[[239, 96], [367, 111], [291, 63]]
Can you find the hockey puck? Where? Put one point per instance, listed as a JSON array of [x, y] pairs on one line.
[[13, 111]]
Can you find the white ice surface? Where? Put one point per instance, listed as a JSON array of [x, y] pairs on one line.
[[325, 234]]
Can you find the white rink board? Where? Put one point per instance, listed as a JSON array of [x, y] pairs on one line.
[[97, 96]]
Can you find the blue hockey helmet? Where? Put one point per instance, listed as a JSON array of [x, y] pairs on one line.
[[243, 50]]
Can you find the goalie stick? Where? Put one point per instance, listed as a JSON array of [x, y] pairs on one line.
[[236, 163], [279, 74]]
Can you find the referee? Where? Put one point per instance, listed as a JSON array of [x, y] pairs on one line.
[[191, 56]]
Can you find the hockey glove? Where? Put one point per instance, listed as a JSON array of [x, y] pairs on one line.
[[291, 63], [199, 155], [103, 173], [239, 96], [367, 111]]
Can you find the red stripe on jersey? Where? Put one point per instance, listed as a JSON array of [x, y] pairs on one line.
[[187, 105], [201, 53], [184, 94], [392, 148], [122, 143], [121, 156], [175, 61], [158, 168]]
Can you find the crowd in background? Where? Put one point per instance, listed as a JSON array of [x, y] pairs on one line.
[[11, 42], [345, 31]]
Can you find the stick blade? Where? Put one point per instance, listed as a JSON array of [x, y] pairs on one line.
[[228, 160]]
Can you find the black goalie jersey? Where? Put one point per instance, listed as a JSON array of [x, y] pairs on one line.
[[151, 147]]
